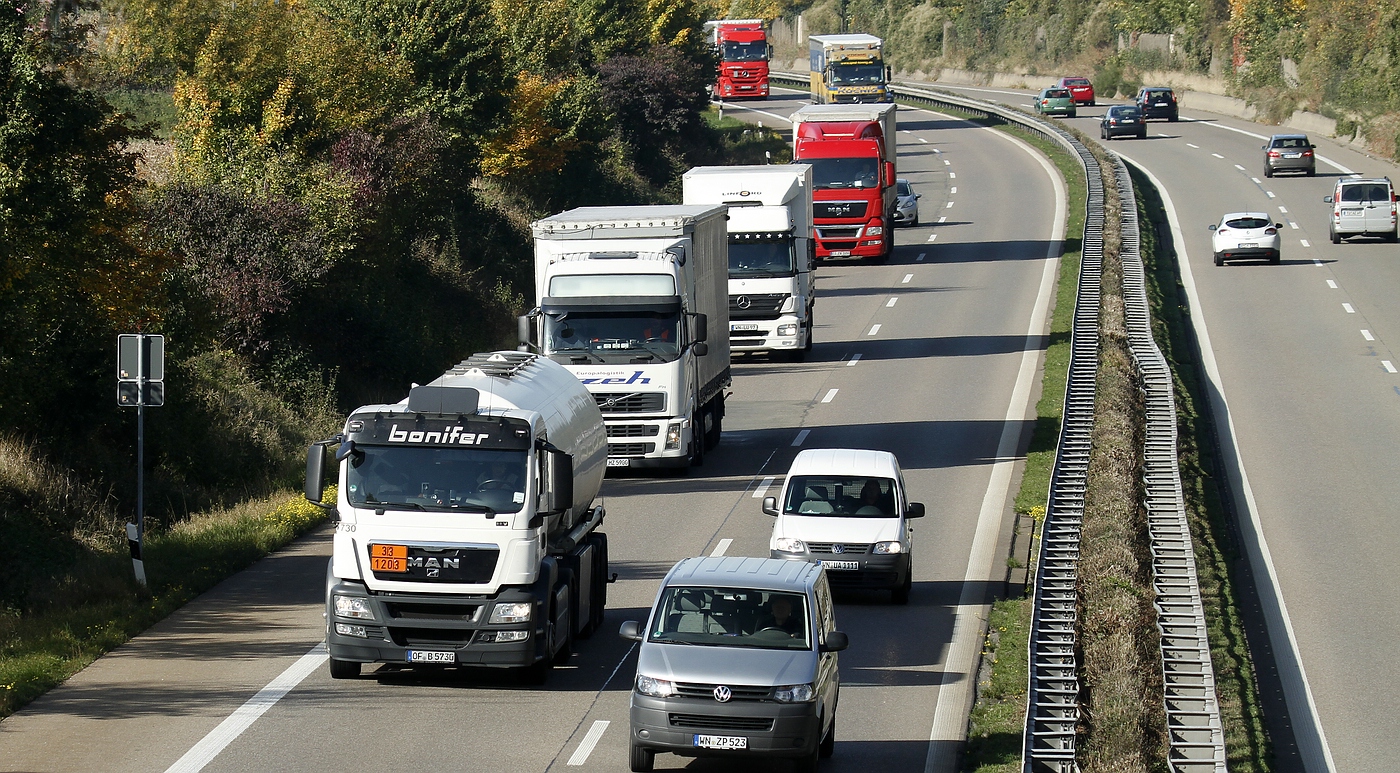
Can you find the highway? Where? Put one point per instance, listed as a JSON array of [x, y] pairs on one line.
[[933, 355], [1306, 355]]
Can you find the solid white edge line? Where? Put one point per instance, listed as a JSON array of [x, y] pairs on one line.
[[831, 393], [785, 120], [1302, 707], [589, 741], [955, 697], [244, 716], [1320, 157], [720, 550], [801, 436]]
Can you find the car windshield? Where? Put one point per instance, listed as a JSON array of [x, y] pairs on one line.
[[760, 257], [613, 336], [424, 478], [1247, 222], [1365, 192], [1290, 142], [732, 617], [903, 188], [857, 74], [844, 172], [843, 496]]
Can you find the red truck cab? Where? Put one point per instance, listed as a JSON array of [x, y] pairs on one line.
[[853, 187], [743, 52]]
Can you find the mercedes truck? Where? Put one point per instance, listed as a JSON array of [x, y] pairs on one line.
[[852, 152], [742, 49]]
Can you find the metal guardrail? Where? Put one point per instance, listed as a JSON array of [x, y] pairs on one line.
[[1195, 737]]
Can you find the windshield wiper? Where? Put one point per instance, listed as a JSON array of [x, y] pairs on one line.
[[586, 351], [473, 507]]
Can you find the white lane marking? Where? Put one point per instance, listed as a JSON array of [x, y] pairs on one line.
[[1189, 145], [950, 205], [1271, 194], [1237, 166], [1257, 181], [921, 139], [1304, 242], [782, 121], [943, 219], [1281, 208], [1320, 157], [244, 716], [1027, 104], [946, 162], [1317, 262], [1217, 155], [1388, 367], [801, 436], [1313, 747], [875, 328], [905, 131], [890, 303], [1366, 334], [831, 393], [921, 256], [953, 176], [937, 151], [854, 359], [1292, 225], [718, 552], [953, 189], [1349, 308], [907, 278], [932, 238], [955, 697], [589, 741], [1332, 283], [763, 486]]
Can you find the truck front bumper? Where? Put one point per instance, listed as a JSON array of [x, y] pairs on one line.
[[662, 441], [766, 335]]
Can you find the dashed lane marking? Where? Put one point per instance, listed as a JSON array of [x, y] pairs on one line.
[[950, 205], [801, 436], [1304, 242], [585, 747], [1217, 155], [907, 278], [831, 393], [953, 189], [890, 303], [1332, 283], [1349, 308], [932, 238], [1189, 145], [763, 486], [921, 139], [854, 359], [953, 176], [1366, 334], [1282, 208], [946, 162], [1389, 368], [1292, 225], [1257, 181], [921, 256], [875, 328], [943, 219], [1271, 194], [719, 551], [1237, 166]]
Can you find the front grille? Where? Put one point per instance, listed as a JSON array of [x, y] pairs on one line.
[[839, 208], [429, 637], [739, 692], [709, 722], [630, 402], [452, 565], [839, 245], [633, 430], [630, 449], [739, 335], [833, 232], [405, 611], [757, 306], [846, 548]]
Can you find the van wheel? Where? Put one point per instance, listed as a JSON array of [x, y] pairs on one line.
[[809, 763], [828, 746], [641, 759], [900, 595], [1392, 237], [344, 669]]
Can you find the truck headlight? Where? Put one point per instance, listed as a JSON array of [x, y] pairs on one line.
[[794, 693], [874, 230], [787, 330], [514, 612], [656, 688], [790, 545], [888, 548], [673, 435], [353, 606], [345, 629]]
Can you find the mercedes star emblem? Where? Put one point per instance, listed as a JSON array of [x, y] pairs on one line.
[[722, 694], [743, 302]]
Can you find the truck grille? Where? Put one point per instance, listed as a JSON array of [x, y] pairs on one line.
[[429, 637], [630, 449], [405, 611], [839, 232], [756, 306], [740, 692], [456, 565], [839, 208], [846, 548], [710, 722], [839, 245], [630, 402], [633, 430]]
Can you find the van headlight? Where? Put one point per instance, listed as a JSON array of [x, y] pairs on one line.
[[353, 606], [794, 693], [515, 612], [656, 688], [888, 548], [790, 545]]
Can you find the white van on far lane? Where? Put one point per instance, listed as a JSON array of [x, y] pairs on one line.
[[847, 509]]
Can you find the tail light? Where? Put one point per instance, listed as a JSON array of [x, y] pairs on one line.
[[1270, 231], [1273, 154], [1307, 154]]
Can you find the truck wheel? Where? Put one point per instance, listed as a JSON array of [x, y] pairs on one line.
[[344, 669], [642, 759], [566, 648], [697, 440], [716, 428], [811, 328], [600, 581]]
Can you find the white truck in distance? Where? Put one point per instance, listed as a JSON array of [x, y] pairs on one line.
[[626, 297], [465, 526], [772, 287]]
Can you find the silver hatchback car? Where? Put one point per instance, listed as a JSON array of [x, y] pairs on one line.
[[906, 203], [737, 658]]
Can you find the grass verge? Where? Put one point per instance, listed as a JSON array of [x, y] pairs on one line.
[[1247, 744], [104, 607]]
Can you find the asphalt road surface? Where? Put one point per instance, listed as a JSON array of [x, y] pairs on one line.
[[933, 355]]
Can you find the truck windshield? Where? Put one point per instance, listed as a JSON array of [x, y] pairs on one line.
[[842, 496], [862, 74], [844, 172], [760, 258], [613, 336], [732, 617], [427, 478], [753, 51]]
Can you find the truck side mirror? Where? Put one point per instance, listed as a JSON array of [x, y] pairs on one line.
[[889, 173], [630, 630], [523, 332], [836, 641], [914, 510], [770, 505], [701, 331], [770, 52], [560, 478], [315, 472], [700, 348], [888, 74]]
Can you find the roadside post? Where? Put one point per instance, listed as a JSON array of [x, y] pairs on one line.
[[140, 384]]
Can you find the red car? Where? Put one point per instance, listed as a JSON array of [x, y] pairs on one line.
[[1079, 88]]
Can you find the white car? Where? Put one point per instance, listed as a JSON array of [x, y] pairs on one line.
[[847, 509], [1245, 235]]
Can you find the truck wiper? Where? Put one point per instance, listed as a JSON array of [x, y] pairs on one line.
[[586, 351], [473, 507]]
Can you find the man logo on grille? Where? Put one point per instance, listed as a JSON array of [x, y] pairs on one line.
[[722, 694], [743, 302]]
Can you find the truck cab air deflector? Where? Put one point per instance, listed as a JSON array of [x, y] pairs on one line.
[[658, 304]]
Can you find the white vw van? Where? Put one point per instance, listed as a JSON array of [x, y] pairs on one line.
[[847, 509]]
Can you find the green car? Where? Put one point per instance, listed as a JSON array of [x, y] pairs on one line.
[[1055, 101]]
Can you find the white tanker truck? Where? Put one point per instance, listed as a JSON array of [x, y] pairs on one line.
[[465, 526]]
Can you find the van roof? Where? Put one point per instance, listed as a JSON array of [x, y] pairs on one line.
[[852, 461], [741, 572]]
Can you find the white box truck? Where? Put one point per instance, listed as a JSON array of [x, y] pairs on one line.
[[772, 286], [465, 526], [626, 299]]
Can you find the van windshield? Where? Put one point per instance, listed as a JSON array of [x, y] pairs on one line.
[[732, 617], [854, 496]]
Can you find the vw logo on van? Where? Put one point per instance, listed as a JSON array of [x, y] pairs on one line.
[[722, 694], [838, 548]]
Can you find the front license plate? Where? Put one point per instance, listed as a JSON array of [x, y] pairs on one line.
[[840, 253], [721, 742], [427, 656], [388, 558], [1244, 245], [847, 566], [619, 462], [743, 327]]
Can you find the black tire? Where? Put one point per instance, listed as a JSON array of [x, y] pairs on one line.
[[1219, 259], [811, 330], [1173, 118], [712, 435], [809, 763], [1336, 237], [600, 595], [900, 594], [566, 577], [344, 669], [641, 759], [828, 745], [1268, 171], [1142, 135], [1312, 171], [1276, 258], [1392, 237], [697, 440], [1073, 114], [915, 221]]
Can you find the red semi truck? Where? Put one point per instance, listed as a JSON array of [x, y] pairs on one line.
[[743, 51], [852, 152]]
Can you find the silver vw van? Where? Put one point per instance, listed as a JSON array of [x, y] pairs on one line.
[[738, 657]]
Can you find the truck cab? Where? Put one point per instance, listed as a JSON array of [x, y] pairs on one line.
[[743, 51], [848, 69], [851, 150]]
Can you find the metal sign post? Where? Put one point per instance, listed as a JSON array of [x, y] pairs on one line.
[[140, 383]]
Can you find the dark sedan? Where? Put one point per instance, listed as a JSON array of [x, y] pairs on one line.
[[1121, 120]]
